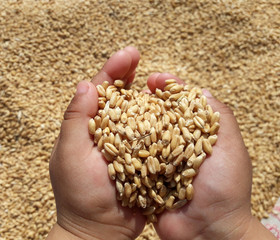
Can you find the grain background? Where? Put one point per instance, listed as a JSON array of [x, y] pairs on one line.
[[47, 47]]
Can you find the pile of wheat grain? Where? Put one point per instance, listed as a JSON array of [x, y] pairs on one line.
[[48, 46], [154, 143]]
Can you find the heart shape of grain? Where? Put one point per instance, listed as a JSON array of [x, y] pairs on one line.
[[154, 143]]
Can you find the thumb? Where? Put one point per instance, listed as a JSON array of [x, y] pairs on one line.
[[74, 129], [229, 135]]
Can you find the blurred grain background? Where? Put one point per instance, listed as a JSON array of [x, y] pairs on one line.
[[48, 46]]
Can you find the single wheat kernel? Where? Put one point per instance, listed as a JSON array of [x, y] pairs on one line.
[[178, 150], [109, 92], [105, 84], [172, 116], [198, 146], [119, 83], [198, 121], [179, 159], [141, 128], [127, 189], [175, 96], [169, 202], [169, 86], [176, 89], [104, 122], [165, 151], [130, 168], [127, 158], [170, 169], [189, 192], [144, 171], [129, 133], [92, 126], [174, 142], [214, 129], [179, 204], [133, 197], [189, 150], [191, 160], [120, 160], [101, 91], [118, 166], [207, 147], [97, 135], [206, 128], [196, 134], [137, 164], [143, 153], [152, 194], [149, 210], [189, 173], [177, 177], [137, 181], [215, 118], [186, 134], [121, 176], [119, 186], [148, 182], [158, 199], [120, 101], [111, 171], [212, 139], [170, 81], [166, 137], [158, 92], [197, 161], [151, 165], [182, 193], [163, 191], [111, 149]]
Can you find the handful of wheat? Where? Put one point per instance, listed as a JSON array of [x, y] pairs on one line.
[[154, 143]]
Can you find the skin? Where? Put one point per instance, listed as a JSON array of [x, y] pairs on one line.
[[85, 197]]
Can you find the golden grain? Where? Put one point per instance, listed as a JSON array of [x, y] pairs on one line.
[[189, 173], [214, 129], [111, 149], [155, 143], [111, 171], [207, 147], [179, 204], [169, 202], [189, 192], [212, 139], [119, 83]]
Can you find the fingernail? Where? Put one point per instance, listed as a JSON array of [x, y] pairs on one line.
[[82, 88], [206, 93]]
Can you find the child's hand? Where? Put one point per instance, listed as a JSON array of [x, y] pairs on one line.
[[85, 197], [220, 208]]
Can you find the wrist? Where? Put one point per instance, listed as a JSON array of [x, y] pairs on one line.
[[257, 231], [96, 228], [58, 232], [245, 227]]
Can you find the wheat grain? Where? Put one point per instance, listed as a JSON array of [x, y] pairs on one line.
[[155, 143]]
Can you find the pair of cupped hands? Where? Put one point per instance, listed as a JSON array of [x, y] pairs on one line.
[[86, 202]]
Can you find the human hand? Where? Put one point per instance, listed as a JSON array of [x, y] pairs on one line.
[[220, 208], [86, 202]]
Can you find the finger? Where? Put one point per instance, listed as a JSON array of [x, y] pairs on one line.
[[130, 80], [120, 66], [229, 132], [135, 57], [74, 129], [157, 80]]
